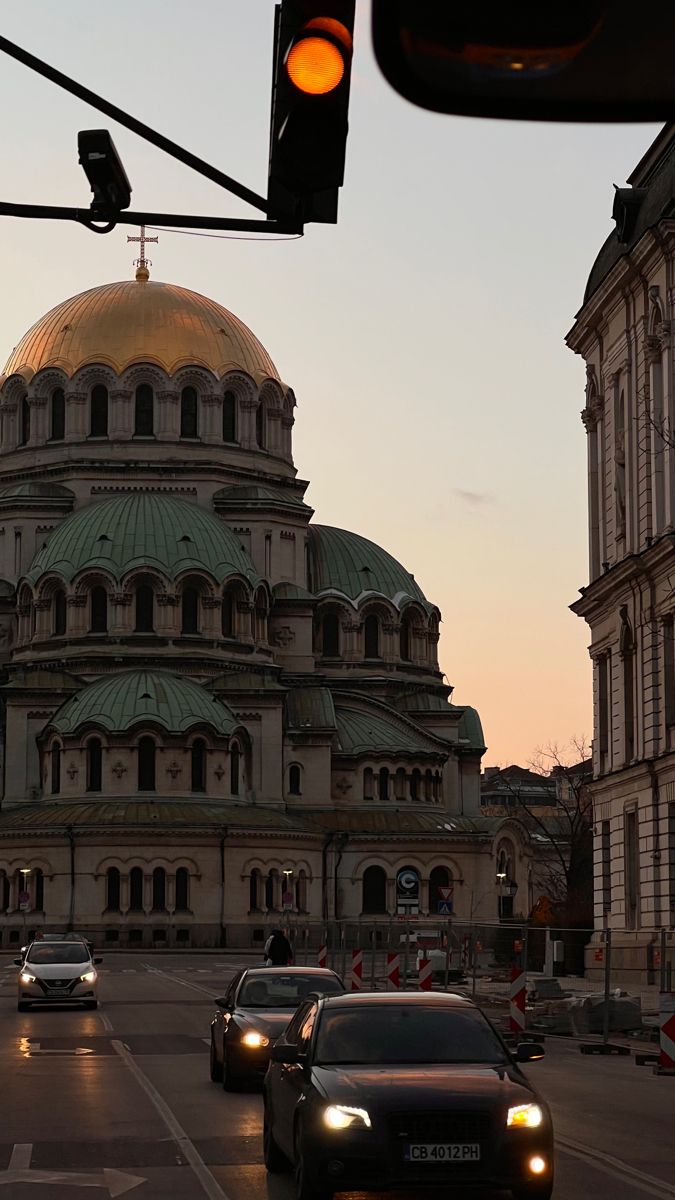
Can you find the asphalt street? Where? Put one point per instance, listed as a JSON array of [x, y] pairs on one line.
[[119, 1101]]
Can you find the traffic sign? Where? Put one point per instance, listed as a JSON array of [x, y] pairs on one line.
[[446, 893], [24, 901], [445, 908]]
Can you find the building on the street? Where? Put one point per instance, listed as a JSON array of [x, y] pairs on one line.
[[514, 789], [214, 710], [625, 334]]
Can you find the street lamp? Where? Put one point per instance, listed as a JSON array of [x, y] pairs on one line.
[[501, 876], [23, 904]]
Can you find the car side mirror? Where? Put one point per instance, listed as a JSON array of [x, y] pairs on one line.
[[220, 1001], [283, 1053], [18, 962], [97, 961], [529, 1052]]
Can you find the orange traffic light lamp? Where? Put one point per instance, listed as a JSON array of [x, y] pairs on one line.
[[315, 63]]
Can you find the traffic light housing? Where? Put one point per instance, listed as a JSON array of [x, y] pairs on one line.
[[313, 42]]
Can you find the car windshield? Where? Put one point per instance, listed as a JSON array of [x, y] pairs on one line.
[[284, 991], [407, 1034], [57, 953]]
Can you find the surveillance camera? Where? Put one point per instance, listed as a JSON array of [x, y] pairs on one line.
[[104, 170]]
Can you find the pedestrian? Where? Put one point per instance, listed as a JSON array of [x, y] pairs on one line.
[[278, 950]]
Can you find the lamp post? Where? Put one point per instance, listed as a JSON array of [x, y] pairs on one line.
[[23, 902], [501, 876]]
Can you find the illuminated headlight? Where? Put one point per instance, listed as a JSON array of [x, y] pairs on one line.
[[88, 977], [525, 1116], [26, 978], [255, 1040], [341, 1116]]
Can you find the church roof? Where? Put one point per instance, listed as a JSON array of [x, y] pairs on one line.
[[348, 563], [132, 815], [257, 495], [388, 822], [143, 529], [309, 708], [379, 730], [37, 491], [120, 701], [133, 321]]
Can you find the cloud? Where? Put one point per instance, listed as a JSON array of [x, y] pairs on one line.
[[474, 499]]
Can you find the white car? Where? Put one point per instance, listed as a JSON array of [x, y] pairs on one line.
[[57, 973]]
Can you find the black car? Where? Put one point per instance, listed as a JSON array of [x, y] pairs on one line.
[[375, 1091], [259, 1004]]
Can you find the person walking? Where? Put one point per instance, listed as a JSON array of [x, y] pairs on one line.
[[278, 950]]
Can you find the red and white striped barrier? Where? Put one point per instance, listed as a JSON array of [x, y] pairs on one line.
[[667, 1034], [425, 974], [517, 1000], [322, 957], [393, 972], [357, 970]]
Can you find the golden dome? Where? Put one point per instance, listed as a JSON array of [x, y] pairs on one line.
[[140, 321]]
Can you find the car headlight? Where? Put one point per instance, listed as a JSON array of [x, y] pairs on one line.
[[525, 1116], [255, 1041], [342, 1116], [27, 978], [88, 977]]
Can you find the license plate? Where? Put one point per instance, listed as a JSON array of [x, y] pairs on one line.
[[59, 991], [442, 1152]]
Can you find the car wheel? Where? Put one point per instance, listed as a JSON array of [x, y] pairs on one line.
[[534, 1191], [215, 1067], [231, 1080], [22, 1006], [307, 1187], [91, 1004], [275, 1159]]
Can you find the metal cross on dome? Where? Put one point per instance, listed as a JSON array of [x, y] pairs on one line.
[[142, 262]]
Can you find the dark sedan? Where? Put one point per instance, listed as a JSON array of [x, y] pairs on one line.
[[257, 1008], [375, 1091]]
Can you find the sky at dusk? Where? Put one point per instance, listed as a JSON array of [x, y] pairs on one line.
[[438, 407]]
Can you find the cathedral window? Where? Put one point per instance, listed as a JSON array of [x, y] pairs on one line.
[[145, 609], [98, 622], [372, 637], [301, 891], [98, 415], [198, 759], [146, 764], [374, 890], [229, 417], [383, 784], [330, 639], [294, 778], [415, 784], [112, 890], [57, 416], [669, 670], [24, 432], [190, 611], [56, 769], [234, 769], [272, 891], [189, 424], [227, 615], [38, 890], [400, 784], [428, 785], [439, 877], [368, 783], [94, 765], [59, 613], [255, 884], [159, 890], [404, 639], [182, 890], [260, 429], [144, 411], [136, 889]]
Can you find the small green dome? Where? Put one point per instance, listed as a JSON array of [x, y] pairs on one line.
[[118, 702], [346, 562], [145, 529]]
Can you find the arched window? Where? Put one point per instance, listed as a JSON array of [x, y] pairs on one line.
[[254, 890], [159, 890], [98, 417], [374, 890], [438, 786], [234, 769], [372, 636], [438, 878], [383, 784], [428, 785], [146, 764], [229, 417], [260, 425], [404, 639], [415, 785], [301, 892], [24, 434], [182, 890], [145, 609], [198, 755], [330, 641], [4, 892], [367, 783], [272, 890], [38, 890], [57, 429], [399, 784], [227, 615], [56, 769], [189, 426], [190, 611], [294, 780], [59, 612], [144, 414], [99, 610], [136, 890], [94, 765], [112, 889]]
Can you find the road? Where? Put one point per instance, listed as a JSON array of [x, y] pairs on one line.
[[119, 1102]]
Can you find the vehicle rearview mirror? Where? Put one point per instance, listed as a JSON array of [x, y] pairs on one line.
[[529, 1052], [18, 962], [97, 961], [283, 1053], [220, 1001]]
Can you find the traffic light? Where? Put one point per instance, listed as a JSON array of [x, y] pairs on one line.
[[310, 101]]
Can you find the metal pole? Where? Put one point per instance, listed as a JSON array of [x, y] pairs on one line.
[[406, 956], [473, 962], [447, 955], [343, 948], [608, 975], [373, 944], [664, 971]]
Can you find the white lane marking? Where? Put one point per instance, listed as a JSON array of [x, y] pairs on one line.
[[616, 1167], [107, 1023], [206, 1041], [196, 987], [210, 1185], [115, 1182], [28, 1048], [21, 1156]]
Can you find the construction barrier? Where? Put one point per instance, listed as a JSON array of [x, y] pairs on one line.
[[322, 956], [666, 1064], [425, 975], [357, 970], [393, 972], [517, 1000]]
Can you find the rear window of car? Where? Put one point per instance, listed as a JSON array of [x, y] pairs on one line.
[[58, 952], [399, 1034], [284, 991]]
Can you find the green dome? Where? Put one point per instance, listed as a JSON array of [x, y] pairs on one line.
[[118, 702], [145, 529], [346, 562]]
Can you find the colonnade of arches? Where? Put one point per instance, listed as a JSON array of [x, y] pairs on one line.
[[144, 751], [376, 632], [22, 889], [417, 784], [379, 889], [145, 890], [277, 890]]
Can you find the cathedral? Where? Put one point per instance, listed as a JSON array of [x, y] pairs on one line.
[[215, 712]]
